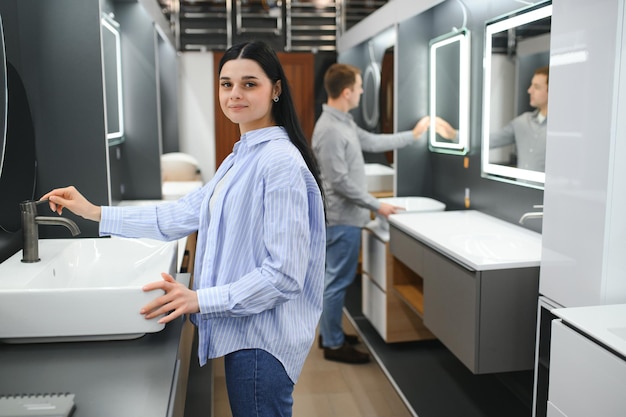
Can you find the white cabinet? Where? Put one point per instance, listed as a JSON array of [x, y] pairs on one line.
[[586, 379], [394, 320], [583, 258]]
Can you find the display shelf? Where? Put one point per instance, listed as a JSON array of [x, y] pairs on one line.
[[409, 287], [259, 17], [311, 27], [205, 25]]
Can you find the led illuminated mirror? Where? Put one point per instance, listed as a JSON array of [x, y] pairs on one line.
[[515, 96], [449, 93], [112, 68]]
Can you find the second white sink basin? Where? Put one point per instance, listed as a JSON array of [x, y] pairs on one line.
[[82, 289], [415, 204], [477, 240], [379, 178], [380, 225]]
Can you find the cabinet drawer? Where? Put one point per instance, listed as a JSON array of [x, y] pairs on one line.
[[374, 305], [407, 249], [585, 378], [450, 306], [374, 258]]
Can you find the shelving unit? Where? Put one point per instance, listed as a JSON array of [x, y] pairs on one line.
[[356, 10], [289, 25], [259, 17], [312, 27], [205, 25]]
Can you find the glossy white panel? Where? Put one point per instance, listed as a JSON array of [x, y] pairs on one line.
[[584, 193]]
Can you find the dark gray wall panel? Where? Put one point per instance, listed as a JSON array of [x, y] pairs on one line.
[[60, 64], [167, 65], [142, 148]]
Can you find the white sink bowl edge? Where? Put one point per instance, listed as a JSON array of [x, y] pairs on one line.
[[82, 289]]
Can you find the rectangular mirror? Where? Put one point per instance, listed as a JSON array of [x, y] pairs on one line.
[[515, 95], [112, 69], [449, 93]]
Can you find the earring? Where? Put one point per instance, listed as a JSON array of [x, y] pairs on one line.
[[275, 99]]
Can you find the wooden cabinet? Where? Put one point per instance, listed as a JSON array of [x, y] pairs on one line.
[[395, 320], [486, 318]]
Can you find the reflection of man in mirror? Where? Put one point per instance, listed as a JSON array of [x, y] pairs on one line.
[[528, 130]]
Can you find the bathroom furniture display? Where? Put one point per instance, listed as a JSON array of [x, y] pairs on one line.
[[584, 194], [394, 320], [478, 277], [588, 366], [145, 377]]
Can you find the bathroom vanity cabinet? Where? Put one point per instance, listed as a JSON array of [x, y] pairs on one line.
[[588, 366], [481, 304], [144, 377], [394, 320]]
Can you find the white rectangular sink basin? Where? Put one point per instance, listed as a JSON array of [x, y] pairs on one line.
[[82, 289], [380, 225], [414, 204], [379, 178], [474, 239]]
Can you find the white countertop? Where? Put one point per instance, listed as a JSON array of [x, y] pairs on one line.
[[605, 323], [474, 239]]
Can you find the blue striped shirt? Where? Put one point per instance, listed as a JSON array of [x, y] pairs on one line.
[[259, 266]]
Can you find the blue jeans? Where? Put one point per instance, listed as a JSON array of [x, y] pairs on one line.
[[257, 385], [342, 256]]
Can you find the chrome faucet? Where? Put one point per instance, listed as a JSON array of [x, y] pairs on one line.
[[532, 214], [30, 229]]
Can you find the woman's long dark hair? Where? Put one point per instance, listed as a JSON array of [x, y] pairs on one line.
[[283, 111]]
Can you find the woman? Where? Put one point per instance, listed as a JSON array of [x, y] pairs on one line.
[[259, 268]]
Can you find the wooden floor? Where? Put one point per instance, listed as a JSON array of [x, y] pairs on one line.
[[330, 389]]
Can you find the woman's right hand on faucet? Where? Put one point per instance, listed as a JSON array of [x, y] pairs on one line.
[[70, 198]]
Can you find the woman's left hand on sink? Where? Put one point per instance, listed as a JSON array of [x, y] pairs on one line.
[[177, 300]]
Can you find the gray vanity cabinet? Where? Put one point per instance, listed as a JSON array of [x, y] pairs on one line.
[[485, 318]]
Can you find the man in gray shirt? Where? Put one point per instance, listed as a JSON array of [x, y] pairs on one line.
[[338, 144]]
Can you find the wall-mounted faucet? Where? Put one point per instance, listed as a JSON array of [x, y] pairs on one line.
[[532, 214], [30, 228]]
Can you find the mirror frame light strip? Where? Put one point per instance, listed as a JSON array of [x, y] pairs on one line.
[[463, 37], [112, 26]]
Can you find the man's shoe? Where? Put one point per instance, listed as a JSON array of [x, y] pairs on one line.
[[346, 354], [350, 338]]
